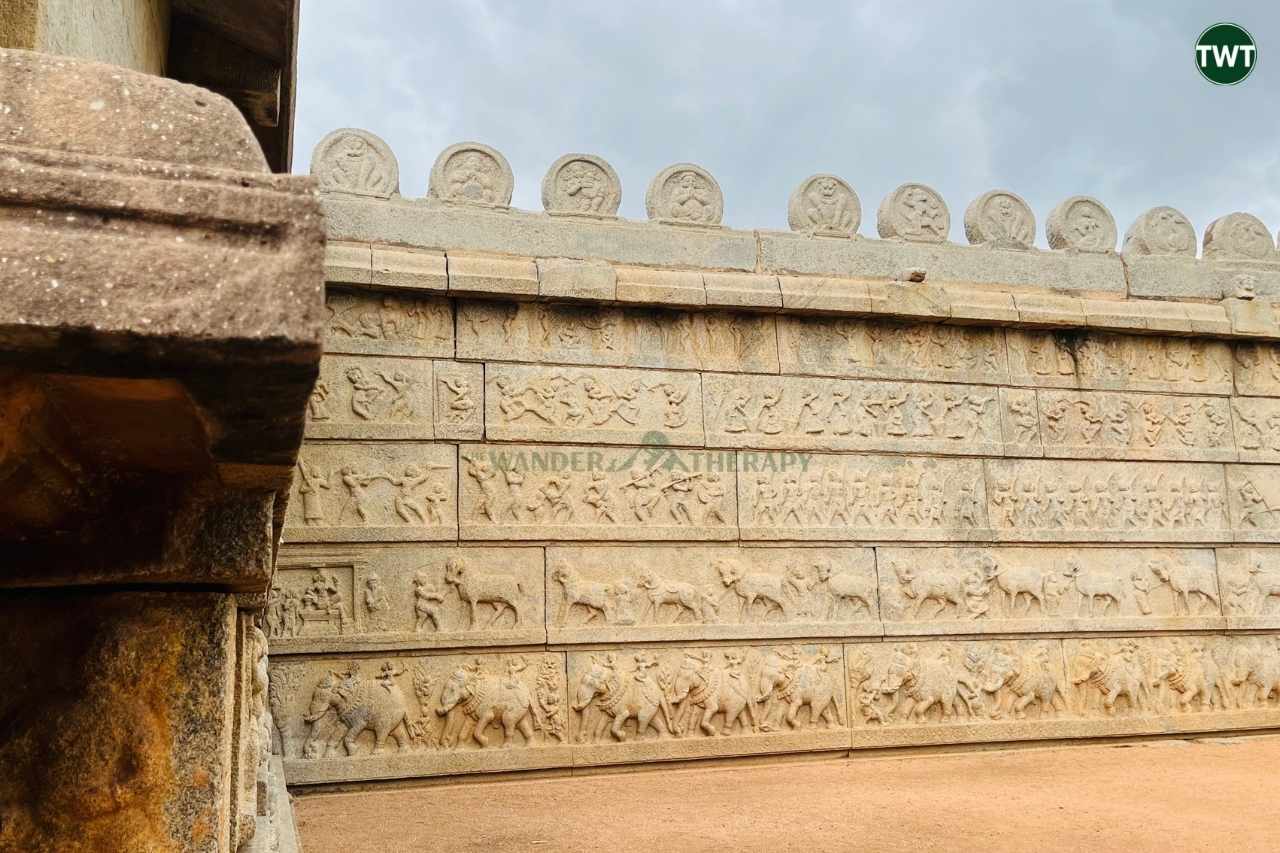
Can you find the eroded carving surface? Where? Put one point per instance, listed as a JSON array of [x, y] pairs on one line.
[[357, 162], [471, 173], [566, 334], [615, 594], [685, 194], [1238, 236], [387, 324], [558, 492], [371, 398], [914, 212], [1119, 362], [1081, 224], [369, 492], [1000, 219], [1161, 231], [857, 497], [1105, 425], [824, 204], [581, 184]]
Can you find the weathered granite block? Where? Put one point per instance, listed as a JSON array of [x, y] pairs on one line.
[[558, 492], [1047, 590], [1257, 369], [1119, 362], [356, 598], [1250, 582], [1050, 501], [603, 405], [118, 720], [372, 323], [787, 413], [459, 400], [364, 397], [1253, 492], [422, 715], [618, 594], [807, 496], [610, 336], [369, 492]]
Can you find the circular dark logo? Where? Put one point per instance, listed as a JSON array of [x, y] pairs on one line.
[[1226, 54]]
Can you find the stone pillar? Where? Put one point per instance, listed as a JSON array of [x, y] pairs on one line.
[[160, 310]]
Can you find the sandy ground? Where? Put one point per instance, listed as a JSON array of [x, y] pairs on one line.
[[1166, 796]]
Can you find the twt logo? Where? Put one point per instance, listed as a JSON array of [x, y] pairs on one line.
[[1226, 54]]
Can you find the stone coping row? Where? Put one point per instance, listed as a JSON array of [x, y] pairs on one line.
[[961, 300]]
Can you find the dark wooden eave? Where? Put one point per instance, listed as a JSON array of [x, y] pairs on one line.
[[246, 50]]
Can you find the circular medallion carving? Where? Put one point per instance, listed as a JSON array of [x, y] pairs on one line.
[[471, 173]]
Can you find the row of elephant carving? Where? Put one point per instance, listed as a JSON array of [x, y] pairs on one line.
[[613, 697]]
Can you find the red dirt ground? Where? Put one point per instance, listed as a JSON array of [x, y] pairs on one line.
[[1167, 796]]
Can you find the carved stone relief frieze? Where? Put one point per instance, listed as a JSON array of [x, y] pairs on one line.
[[1105, 361], [596, 405], [1041, 590], [567, 492], [395, 597], [637, 593], [872, 349], [366, 717], [834, 414], [459, 399], [1047, 501], [369, 492], [596, 335], [1257, 369], [1113, 425], [640, 703], [1254, 495], [818, 497], [387, 324], [371, 397], [1250, 581]]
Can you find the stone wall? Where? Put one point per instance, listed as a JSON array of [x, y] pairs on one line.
[[600, 491]]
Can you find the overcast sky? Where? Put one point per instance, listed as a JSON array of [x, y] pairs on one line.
[[1048, 100]]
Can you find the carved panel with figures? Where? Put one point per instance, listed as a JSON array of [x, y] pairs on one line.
[[1114, 425], [366, 598], [638, 704], [1254, 494], [607, 336], [459, 400], [1105, 361], [873, 349], [387, 324], [1250, 580], [818, 496], [836, 414], [649, 593], [1047, 590], [370, 492], [602, 405], [1048, 501], [570, 492], [354, 718], [371, 398], [1257, 428], [1257, 368]]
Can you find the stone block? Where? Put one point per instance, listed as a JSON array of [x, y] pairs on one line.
[[1253, 493], [1046, 309], [1114, 314], [1115, 425], [361, 598], [1169, 277], [809, 720], [514, 278], [419, 715], [1207, 319], [1117, 362], [617, 337], [1055, 501], [373, 492], [413, 222], [796, 413], [742, 290], [1252, 317], [361, 322], [827, 295], [944, 263], [409, 269], [1020, 422], [811, 496], [650, 593], [559, 278], [600, 405], [877, 349], [372, 397], [958, 590], [1249, 579], [127, 742], [554, 492], [348, 263], [909, 301], [459, 399], [660, 287], [1256, 423], [1163, 316], [1257, 368], [976, 305]]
